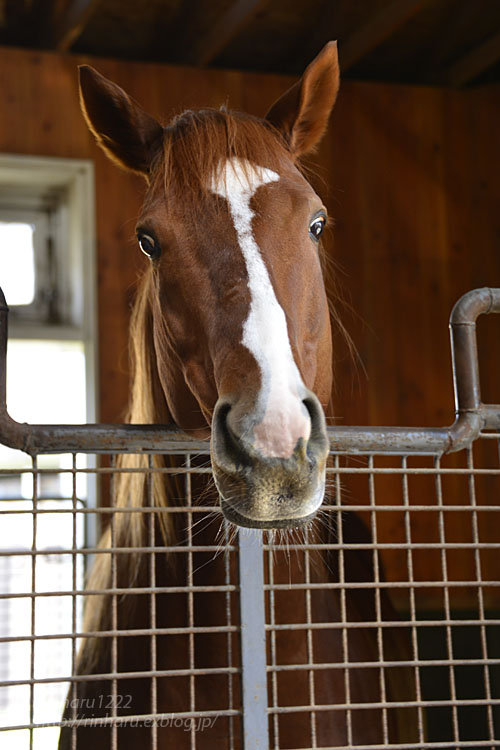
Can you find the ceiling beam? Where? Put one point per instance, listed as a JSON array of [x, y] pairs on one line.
[[377, 28], [70, 25], [474, 63], [237, 16]]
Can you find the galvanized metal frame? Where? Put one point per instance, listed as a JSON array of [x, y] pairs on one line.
[[472, 418], [472, 414]]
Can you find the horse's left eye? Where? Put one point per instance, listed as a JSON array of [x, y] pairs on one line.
[[148, 245], [316, 227]]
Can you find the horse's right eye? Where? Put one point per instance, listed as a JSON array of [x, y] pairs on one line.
[[148, 245]]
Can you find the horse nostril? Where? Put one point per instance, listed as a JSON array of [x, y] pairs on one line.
[[317, 417], [313, 409], [225, 441]]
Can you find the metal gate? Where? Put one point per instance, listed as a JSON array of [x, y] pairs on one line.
[[430, 499]]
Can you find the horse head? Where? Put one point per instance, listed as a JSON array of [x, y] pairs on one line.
[[240, 321]]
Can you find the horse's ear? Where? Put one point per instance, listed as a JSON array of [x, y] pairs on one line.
[[301, 114], [128, 135]]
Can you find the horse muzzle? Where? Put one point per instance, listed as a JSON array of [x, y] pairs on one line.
[[265, 491]]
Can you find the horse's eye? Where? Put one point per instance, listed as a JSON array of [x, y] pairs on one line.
[[148, 245], [316, 227]]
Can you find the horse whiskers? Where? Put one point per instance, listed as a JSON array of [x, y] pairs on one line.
[[205, 465], [209, 488], [229, 532], [207, 519]]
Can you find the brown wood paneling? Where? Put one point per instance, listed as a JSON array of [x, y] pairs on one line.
[[412, 183]]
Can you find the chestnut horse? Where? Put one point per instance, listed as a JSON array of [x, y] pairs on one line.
[[231, 340]]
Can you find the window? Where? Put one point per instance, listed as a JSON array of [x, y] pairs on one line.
[[47, 273]]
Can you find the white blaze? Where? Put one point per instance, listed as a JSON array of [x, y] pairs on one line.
[[265, 332]]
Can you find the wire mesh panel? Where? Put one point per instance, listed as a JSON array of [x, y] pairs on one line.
[[382, 616], [157, 652], [395, 619]]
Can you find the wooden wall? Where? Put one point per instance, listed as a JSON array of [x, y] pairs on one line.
[[410, 176]]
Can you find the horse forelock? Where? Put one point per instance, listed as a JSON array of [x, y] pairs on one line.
[[196, 142]]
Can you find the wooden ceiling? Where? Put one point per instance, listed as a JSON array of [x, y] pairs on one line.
[[434, 42]]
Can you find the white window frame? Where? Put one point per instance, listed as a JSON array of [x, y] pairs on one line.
[[23, 180]]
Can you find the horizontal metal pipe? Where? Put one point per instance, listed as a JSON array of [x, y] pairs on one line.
[[110, 438]]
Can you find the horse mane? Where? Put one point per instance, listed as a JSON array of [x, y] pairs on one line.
[[129, 489]]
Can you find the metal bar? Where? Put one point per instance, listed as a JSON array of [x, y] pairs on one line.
[[114, 639], [269, 628], [472, 414], [103, 721], [267, 587], [310, 647], [206, 509], [180, 509], [229, 629], [125, 632], [14, 551], [273, 650], [386, 663], [378, 603], [446, 603], [306, 666], [386, 624], [343, 608], [413, 605], [480, 597], [105, 676], [124, 590], [33, 602], [375, 585], [74, 698], [389, 704], [152, 606], [190, 598], [464, 354], [253, 641]]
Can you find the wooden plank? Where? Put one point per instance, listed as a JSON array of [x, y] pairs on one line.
[[376, 30], [474, 62], [237, 16], [71, 24]]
